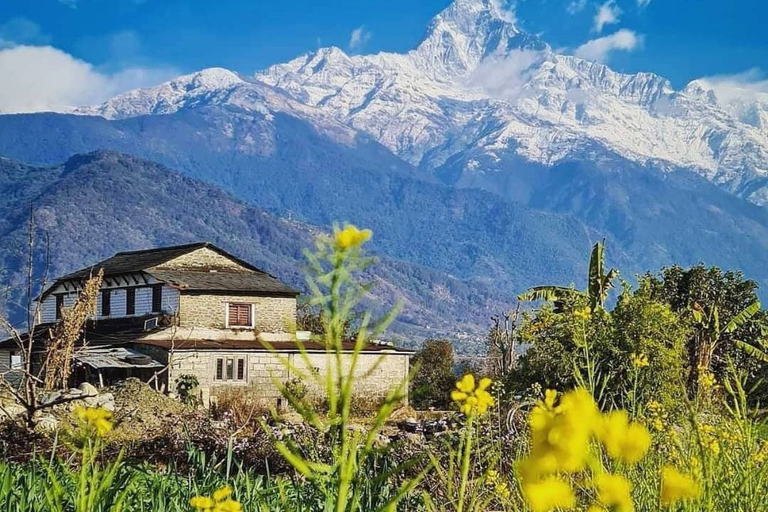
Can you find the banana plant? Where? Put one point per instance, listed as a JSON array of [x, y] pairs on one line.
[[599, 282], [712, 334]]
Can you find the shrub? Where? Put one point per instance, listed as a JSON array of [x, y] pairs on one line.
[[434, 375]]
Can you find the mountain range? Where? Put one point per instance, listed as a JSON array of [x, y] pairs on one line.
[[484, 161]]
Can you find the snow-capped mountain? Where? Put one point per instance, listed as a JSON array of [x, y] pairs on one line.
[[478, 92]]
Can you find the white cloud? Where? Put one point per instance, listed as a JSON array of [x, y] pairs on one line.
[[643, 3], [43, 78], [359, 38], [607, 14], [576, 6], [751, 85], [506, 10], [505, 76], [599, 49], [21, 31]]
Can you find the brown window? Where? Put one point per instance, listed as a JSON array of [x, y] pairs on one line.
[[106, 302], [157, 298], [240, 315], [230, 369], [130, 301], [59, 306]]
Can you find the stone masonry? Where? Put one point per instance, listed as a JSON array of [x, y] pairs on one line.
[[271, 314], [262, 367]]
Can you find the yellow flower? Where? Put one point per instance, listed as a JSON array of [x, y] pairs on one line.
[[96, 418], [624, 440], [201, 503], [676, 486], [350, 237], [707, 379], [220, 502], [502, 490], [472, 399], [639, 360], [560, 435], [614, 493], [549, 494], [222, 494], [583, 314]]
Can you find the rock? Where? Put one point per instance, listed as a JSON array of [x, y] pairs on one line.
[[74, 392], [292, 418], [49, 397], [88, 389], [47, 424], [13, 410]]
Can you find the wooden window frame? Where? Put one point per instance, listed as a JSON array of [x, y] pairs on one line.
[[221, 366], [157, 298], [130, 301], [59, 305], [106, 302], [251, 314]]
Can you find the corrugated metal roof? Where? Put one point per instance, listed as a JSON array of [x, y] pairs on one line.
[[114, 357]]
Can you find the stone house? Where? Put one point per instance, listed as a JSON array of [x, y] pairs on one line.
[[196, 310]]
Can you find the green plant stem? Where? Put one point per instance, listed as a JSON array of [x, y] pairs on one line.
[[465, 462]]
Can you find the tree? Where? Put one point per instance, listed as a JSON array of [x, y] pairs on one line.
[[48, 364], [725, 315], [434, 377], [599, 283], [503, 341]]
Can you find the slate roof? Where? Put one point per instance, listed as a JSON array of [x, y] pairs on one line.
[[254, 281], [227, 282], [136, 261]]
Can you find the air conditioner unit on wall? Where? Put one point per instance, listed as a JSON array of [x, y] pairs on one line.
[[150, 324]]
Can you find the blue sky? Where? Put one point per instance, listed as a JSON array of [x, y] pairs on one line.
[[136, 42]]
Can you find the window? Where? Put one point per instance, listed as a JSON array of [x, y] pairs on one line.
[[240, 315], [106, 302], [230, 369], [17, 361], [130, 301], [59, 306], [157, 298]]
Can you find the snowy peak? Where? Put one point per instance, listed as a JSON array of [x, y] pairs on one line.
[[195, 88], [467, 32]]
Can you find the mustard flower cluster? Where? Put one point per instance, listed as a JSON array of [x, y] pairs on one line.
[[472, 399], [221, 501], [95, 419], [656, 416], [676, 486], [561, 438], [639, 361], [351, 237], [500, 487]]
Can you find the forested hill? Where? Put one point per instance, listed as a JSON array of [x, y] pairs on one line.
[[100, 203]]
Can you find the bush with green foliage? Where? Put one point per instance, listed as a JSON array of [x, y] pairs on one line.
[[434, 374]]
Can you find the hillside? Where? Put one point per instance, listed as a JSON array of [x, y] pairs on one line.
[[97, 204]]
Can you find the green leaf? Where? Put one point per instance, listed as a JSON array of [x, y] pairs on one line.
[[743, 317], [752, 351], [549, 293]]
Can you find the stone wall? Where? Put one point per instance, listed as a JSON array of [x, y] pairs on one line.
[[271, 314], [261, 367]]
